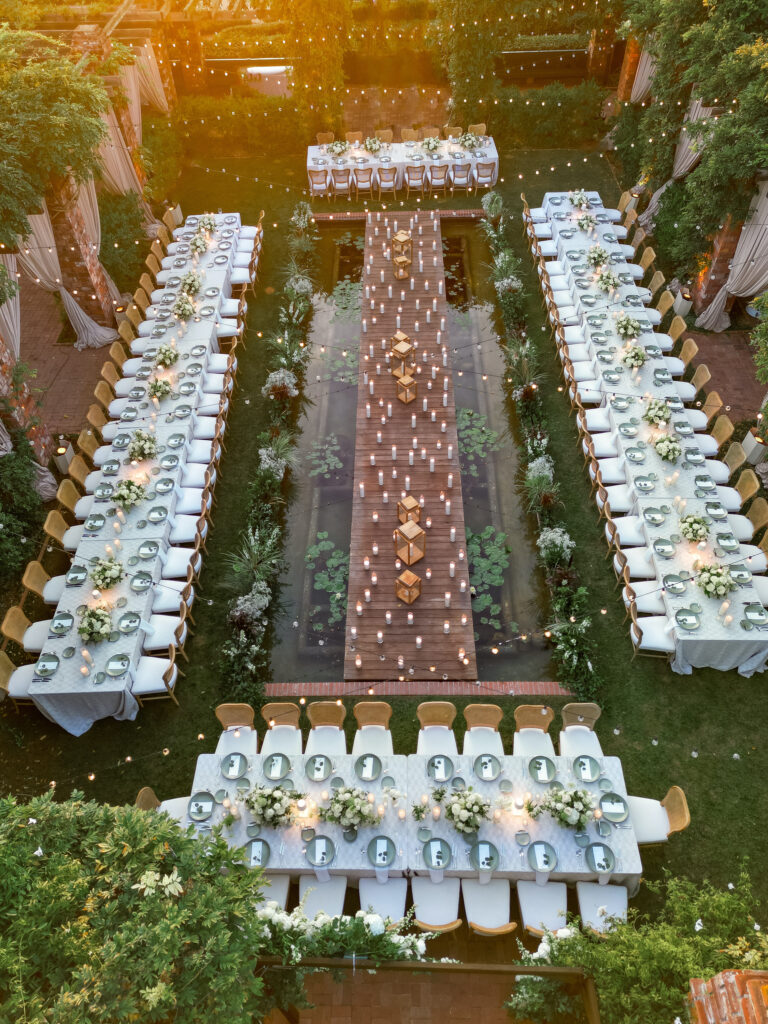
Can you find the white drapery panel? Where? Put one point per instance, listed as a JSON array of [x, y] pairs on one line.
[[749, 267], [641, 87], [129, 81], [119, 172], [10, 311], [88, 204], [150, 80], [39, 257]]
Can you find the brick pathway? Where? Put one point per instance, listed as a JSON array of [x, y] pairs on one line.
[[729, 358], [394, 688]]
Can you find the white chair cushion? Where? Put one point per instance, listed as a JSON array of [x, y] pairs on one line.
[[483, 740], [282, 739], [760, 583], [597, 420], [696, 417], [436, 739], [488, 904], [149, 676], [648, 599], [543, 907], [649, 819], [597, 903], [176, 808], [372, 739], [548, 247], [639, 564], [543, 231], [322, 896], [103, 453], [200, 451], [72, 538], [20, 681], [630, 531], [604, 445], [326, 739], [242, 260], [435, 903], [656, 636], [241, 740], [162, 635], [538, 214], [532, 743], [686, 391], [579, 739], [92, 480], [167, 599], [177, 561], [194, 475], [277, 891], [675, 366], [54, 588], [707, 445], [249, 231], [741, 527], [36, 635], [240, 276], [385, 899], [184, 530], [729, 498], [189, 501], [717, 470], [218, 362]]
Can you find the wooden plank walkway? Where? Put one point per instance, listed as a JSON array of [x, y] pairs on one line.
[[427, 687], [407, 449]]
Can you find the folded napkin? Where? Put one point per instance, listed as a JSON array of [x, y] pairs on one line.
[[486, 768], [541, 856], [436, 852], [256, 851], [275, 763], [440, 772], [318, 769], [613, 806], [382, 849], [321, 849], [367, 771]]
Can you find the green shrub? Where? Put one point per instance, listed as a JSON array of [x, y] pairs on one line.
[[561, 41], [122, 225], [536, 117], [162, 152], [21, 510], [625, 133], [253, 124]]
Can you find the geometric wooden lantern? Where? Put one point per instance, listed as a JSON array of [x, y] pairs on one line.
[[402, 244], [408, 509], [401, 268], [406, 389], [401, 351], [410, 542], [408, 586]]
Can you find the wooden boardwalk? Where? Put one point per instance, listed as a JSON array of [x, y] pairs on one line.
[[407, 449]]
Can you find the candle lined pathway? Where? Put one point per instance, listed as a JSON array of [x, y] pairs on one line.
[[407, 449]]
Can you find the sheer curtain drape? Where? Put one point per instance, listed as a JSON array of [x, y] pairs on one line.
[[117, 166], [641, 87], [10, 311], [150, 79], [129, 80], [88, 204], [749, 267]]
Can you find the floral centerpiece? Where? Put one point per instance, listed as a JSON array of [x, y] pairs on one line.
[[128, 493], [597, 256], [166, 356], [183, 307], [372, 144], [668, 448], [143, 446], [272, 805], [715, 580], [555, 545], [199, 243], [606, 280], [207, 222], [694, 527], [159, 388], [580, 199], [190, 283], [657, 413], [626, 326], [349, 807], [338, 148], [467, 810], [571, 808], [586, 222], [95, 625], [431, 143], [106, 573], [469, 141], [634, 356]]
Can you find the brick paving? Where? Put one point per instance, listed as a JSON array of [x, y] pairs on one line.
[[394, 688], [729, 358]]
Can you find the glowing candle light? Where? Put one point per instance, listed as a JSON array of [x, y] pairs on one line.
[[379, 637], [359, 607], [353, 632], [450, 479], [446, 626], [361, 488], [374, 579], [418, 642], [447, 599], [375, 548], [451, 569], [410, 618], [358, 661], [367, 596]]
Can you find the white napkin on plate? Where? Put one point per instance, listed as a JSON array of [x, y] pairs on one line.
[[613, 806], [486, 768], [540, 861], [275, 763], [318, 769], [436, 852], [440, 772], [256, 851], [321, 849], [367, 772], [382, 848], [541, 771]]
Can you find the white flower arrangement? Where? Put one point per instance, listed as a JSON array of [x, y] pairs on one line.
[[190, 283], [586, 222], [469, 141], [597, 256], [349, 807], [694, 527], [166, 356], [159, 388], [280, 384], [467, 810], [199, 243], [634, 356], [143, 445], [580, 199], [542, 465], [570, 808], [106, 573], [668, 448], [183, 307], [715, 580], [128, 493], [206, 222], [556, 545], [372, 144], [269, 462], [338, 148], [657, 413], [431, 143], [606, 280], [508, 284], [626, 326], [272, 806], [95, 625]]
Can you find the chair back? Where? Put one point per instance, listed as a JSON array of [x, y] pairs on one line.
[[354, 138], [372, 712], [281, 713], [104, 395], [318, 178], [385, 134], [409, 135], [340, 176], [477, 129], [326, 712], [7, 668], [713, 403], [146, 282], [487, 716], [688, 351], [438, 173], [363, 176], [325, 138], [630, 218], [484, 173], [168, 220], [666, 300], [656, 282], [153, 265], [452, 131], [87, 442], [676, 806], [722, 430], [55, 526], [141, 299], [747, 485], [624, 201], [647, 258], [429, 131], [109, 373], [461, 173], [95, 415], [235, 714], [701, 377], [735, 457], [533, 716], [35, 577], [580, 714], [146, 799], [387, 175], [436, 712], [126, 331], [157, 251], [164, 236], [415, 174], [78, 470], [639, 238], [68, 495], [15, 624], [677, 327], [117, 353], [758, 514], [134, 315]]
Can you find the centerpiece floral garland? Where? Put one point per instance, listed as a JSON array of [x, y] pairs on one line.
[[95, 625], [597, 256], [372, 144], [106, 573], [715, 580], [634, 356], [657, 413], [469, 141], [668, 448], [606, 280], [694, 528], [272, 805], [579, 199], [338, 148], [349, 807], [128, 493], [199, 244], [166, 357], [184, 307], [467, 810], [570, 808], [159, 388], [626, 326], [143, 445], [431, 143], [190, 283], [586, 222], [206, 222]]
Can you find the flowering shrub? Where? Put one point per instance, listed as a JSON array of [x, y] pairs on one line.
[[431, 143], [555, 545], [467, 810], [106, 573], [143, 446], [541, 466], [657, 413], [597, 256], [338, 148], [715, 580], [349, 807], [586, 222], [694, 527], [166, 356], [580, 199], [668, 448], [95, 625], [128, 493], [183, 307], [159, 388], [571, 808], [626, 326], [280, 385], [634, 356], [272, 805], [190, 283], [606, 280], [372, 144]]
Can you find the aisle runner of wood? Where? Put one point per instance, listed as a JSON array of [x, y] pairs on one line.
[[407, 450]]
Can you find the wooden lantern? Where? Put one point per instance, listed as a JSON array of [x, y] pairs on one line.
[[408, 509], [402, 245], [401, 353], [401, 267], [408, 587], [407, 389], [410, 542]]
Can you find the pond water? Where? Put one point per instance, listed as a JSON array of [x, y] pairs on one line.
[[509, 601]]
